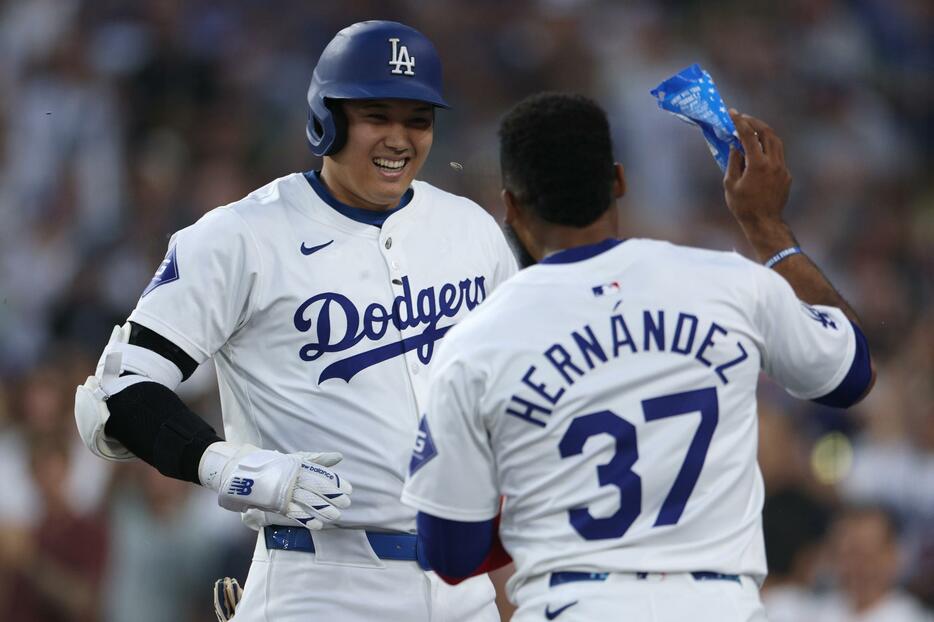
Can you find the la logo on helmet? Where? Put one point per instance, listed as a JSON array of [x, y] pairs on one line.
[[400, 58]]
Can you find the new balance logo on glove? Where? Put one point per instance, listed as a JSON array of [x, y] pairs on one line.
[[240, 486]]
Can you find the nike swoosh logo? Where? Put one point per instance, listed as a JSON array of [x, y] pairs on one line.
[[308, 250], [551, 615]]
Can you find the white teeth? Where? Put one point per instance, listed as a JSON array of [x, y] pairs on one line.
[[391, 164]]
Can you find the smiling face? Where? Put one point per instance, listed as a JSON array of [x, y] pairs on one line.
[[387, 143]]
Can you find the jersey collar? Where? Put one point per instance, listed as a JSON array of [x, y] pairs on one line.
[[580, 253], [365, 216]]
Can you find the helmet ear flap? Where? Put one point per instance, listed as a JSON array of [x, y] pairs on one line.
[[339, 118], [327, 129]]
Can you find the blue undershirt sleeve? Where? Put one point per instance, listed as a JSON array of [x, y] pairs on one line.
[[857, 379], [454, 548]]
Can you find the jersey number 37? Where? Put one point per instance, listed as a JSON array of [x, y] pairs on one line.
[[618, 471]]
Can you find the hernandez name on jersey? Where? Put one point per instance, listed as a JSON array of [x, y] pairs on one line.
[[610, 396], [322, 325]]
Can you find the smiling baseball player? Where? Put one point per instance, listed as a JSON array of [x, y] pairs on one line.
[[321, 298], [609, 392]]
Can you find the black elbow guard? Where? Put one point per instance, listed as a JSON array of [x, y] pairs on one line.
[[152, 422]]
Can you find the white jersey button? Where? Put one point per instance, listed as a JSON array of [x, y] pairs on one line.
[[414, 369], [395, 265], [388, 243]]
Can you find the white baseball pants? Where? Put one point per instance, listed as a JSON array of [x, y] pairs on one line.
[[344, 581]]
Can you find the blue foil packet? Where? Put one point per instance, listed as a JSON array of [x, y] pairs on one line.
[[692, 96]]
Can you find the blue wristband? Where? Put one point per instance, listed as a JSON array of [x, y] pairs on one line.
[[783, 254]]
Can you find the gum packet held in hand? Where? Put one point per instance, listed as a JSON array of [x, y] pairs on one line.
[[692, 96]]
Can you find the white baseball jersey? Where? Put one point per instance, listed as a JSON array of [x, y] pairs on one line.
[[612, 401], [322, 327]]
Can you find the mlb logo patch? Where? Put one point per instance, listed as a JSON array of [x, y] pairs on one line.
[[424, 447], [606, 289], [166, 273]]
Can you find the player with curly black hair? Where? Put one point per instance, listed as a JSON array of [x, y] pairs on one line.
[[609, 392]]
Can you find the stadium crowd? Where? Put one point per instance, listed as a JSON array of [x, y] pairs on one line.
[[123, 122]]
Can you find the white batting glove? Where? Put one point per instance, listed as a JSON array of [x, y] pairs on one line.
[[297, 486]]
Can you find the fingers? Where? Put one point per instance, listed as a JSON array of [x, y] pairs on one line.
[[766, 141], [734, 167], [232, 590], [324, 458], [313, 477], [223, 608], [306, 521], [311, 511], [336, 498], [311, 504], [748, 138], [771, 143], [328, 484], [227, 595]]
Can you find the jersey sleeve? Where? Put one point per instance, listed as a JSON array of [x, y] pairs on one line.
[[452, 473], [204, 289], [813, 351]]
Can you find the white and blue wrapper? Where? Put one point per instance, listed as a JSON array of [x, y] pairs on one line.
[[692, 96]]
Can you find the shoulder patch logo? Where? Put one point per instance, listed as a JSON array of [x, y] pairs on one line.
[[424, 447], [400, 58], [825, 319], [166, 273]]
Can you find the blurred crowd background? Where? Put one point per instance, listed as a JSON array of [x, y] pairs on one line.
[[121, 122]]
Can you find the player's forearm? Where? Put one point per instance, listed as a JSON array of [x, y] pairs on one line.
[[770, 237], [153, 422], [756, 186]]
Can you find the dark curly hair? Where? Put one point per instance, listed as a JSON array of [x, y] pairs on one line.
[[556, 157]]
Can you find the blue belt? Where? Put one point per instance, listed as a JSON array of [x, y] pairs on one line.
[[557, 578], [394, 546]]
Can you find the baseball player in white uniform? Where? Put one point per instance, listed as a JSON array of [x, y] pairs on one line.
[[609, 392], [322, 298]]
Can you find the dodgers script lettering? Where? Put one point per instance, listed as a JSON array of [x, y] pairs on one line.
[[323, 312]]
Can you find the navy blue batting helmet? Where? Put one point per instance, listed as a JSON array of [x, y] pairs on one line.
[[369, 60]]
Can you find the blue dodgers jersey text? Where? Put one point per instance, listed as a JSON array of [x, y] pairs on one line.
[[240, 486], [323, 312], [425, 448], [166, 273], [683, 334]]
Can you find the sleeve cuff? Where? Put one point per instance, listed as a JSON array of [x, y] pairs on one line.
[[857, 379], [455, 549]]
